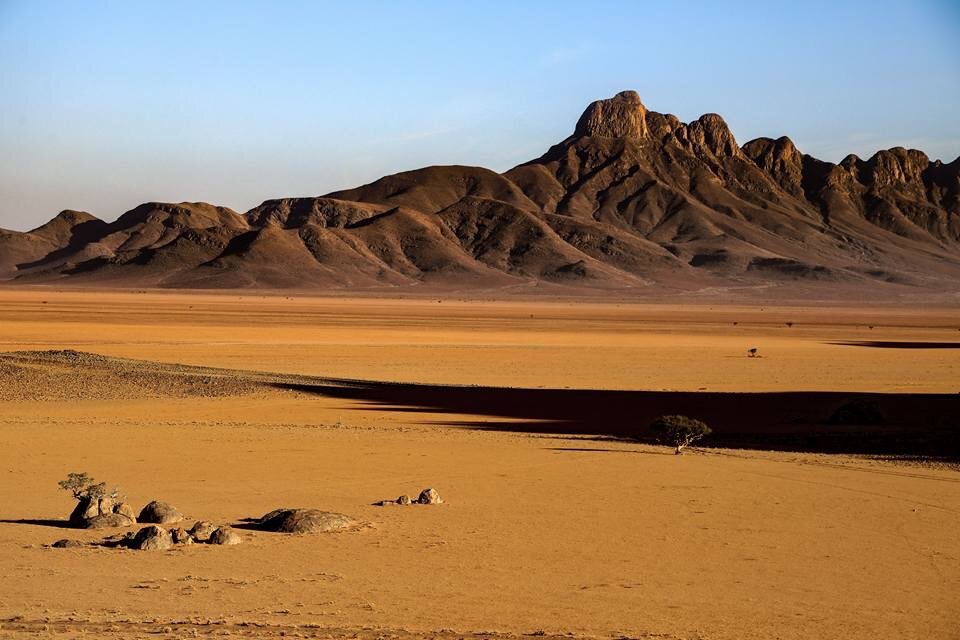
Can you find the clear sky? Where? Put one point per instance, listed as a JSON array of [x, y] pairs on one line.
[[104, 105]]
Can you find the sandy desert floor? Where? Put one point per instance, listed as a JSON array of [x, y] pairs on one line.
[[541, 533]]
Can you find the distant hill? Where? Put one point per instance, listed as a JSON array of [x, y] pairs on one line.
[[632, 201]]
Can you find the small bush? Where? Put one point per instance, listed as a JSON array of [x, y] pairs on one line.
[[680, 431], [83, 487]]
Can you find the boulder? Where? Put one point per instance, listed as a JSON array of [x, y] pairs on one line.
[[305, 521], [180, 536], [404, 499], [108, 521], [88, 508], [201, 530], [66, 543], [125, 509], [225, 536], [429, 496], [152, 537], [160, 513]]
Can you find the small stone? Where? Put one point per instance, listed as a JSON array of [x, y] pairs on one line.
[[180, 535], [429, 496], [404, 499], [66, 543], [225, 536]]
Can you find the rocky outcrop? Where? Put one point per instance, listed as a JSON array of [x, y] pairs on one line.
[[780, 160], [709, 135], [622, 116]]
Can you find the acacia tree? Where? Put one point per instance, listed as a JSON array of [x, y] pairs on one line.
[[680, 431], [84, 488]]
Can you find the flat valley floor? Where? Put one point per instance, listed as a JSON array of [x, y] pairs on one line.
[[242, 403]]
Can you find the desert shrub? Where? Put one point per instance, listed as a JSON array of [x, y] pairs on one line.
[[680, 431], [83, 487], [857, 412]]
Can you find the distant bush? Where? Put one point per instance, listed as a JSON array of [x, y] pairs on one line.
[[680, 431], [83, 487], [857, 412]]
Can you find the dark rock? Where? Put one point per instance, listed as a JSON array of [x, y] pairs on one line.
[[404, 499]]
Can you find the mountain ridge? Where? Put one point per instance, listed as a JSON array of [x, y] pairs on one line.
[[632, 200]]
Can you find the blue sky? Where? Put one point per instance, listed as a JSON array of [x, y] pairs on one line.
[[104, 105]]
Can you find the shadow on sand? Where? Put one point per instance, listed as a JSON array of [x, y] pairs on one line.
[[882, 344], [59, 524], [913, 424]]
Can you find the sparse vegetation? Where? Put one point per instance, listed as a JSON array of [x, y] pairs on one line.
[[85, 488], [680, 431]]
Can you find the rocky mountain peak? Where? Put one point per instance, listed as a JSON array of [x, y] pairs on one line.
[[780, 159], [710, 132], [622, 116], [898, 166]]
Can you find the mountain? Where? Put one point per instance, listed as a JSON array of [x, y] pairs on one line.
[[634, 201]]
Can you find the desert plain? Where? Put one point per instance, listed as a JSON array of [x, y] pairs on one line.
[[519, 412]]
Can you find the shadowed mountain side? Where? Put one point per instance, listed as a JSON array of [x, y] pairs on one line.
[[912, 424]]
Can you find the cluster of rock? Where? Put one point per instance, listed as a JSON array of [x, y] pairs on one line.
[[156, 537], [105, 512], [427, 496], [102, 513]]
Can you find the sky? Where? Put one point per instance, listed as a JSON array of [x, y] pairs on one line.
[[105, 105]]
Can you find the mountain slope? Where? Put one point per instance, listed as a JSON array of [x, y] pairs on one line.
[[633, 200]]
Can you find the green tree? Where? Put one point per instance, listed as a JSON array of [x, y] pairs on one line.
[[680, 431], [83, 487]]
